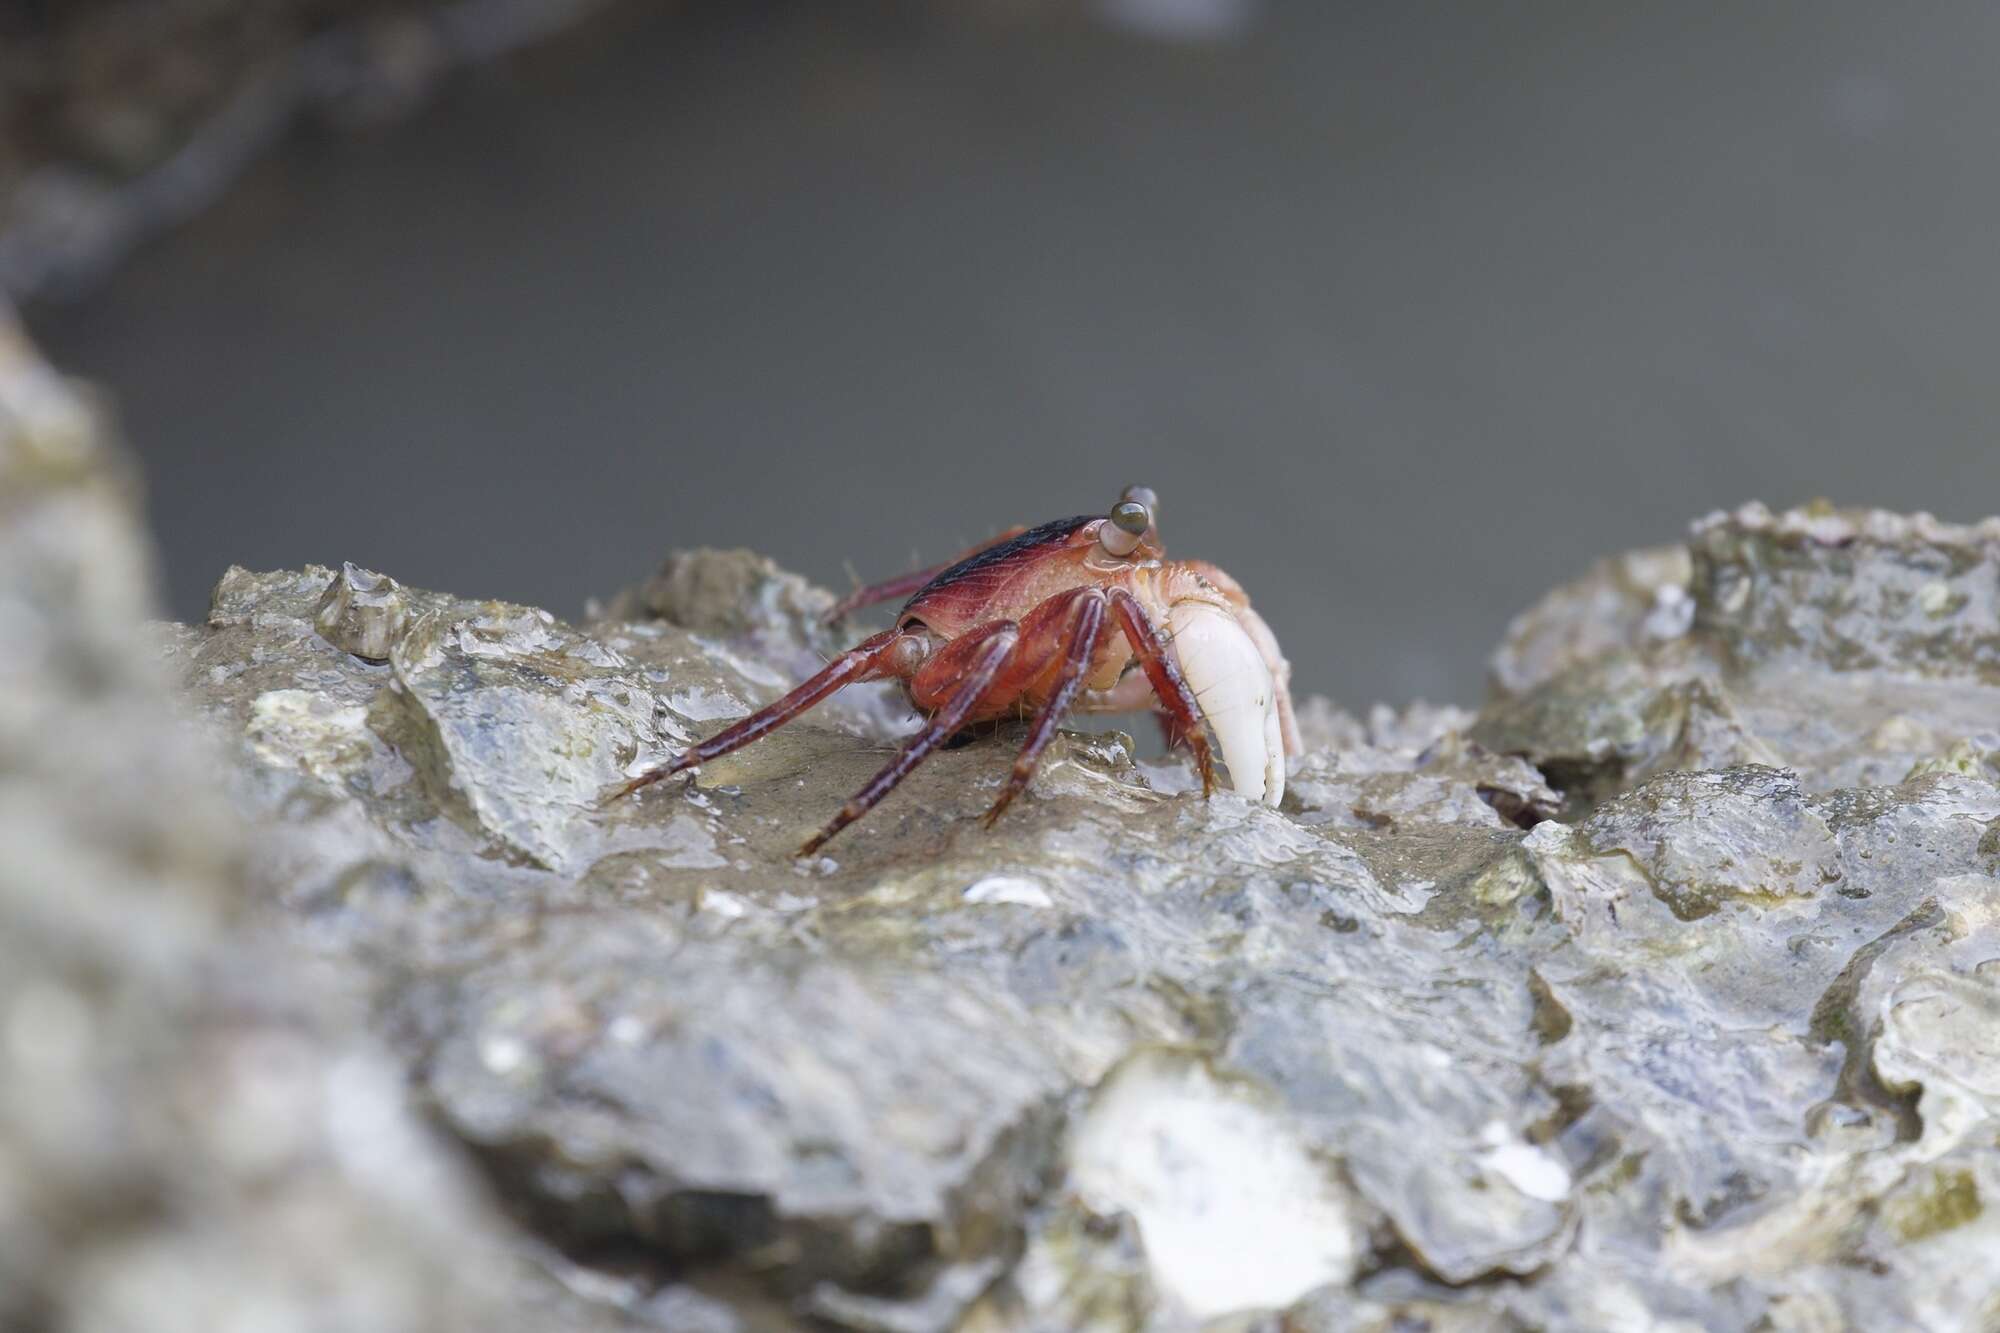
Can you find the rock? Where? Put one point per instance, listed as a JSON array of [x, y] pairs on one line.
[[1850, 590], [746, 1110], [362, 612], [848, 1083], [944, 1077], [194, 1134], [1625, 600], [1451, 781], [1659, 994], [1663, 1061], [1849, 645]]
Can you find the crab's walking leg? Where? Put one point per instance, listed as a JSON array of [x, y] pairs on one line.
[[972, 662], [1177, 701], [901, 586], [857, 663], [1172, 734], [1074, 632], [905, 584]]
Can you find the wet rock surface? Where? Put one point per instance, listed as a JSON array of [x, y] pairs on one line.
[[1662, 993], [1849, 646]]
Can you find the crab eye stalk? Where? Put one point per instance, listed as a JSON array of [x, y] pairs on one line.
[[1128, 523]]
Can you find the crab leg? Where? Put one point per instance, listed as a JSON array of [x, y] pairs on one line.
[[905, 584], [1075, 636], [900, 586], [1172, 734], [1177, 701], [1134, 694], [972, 661], [857, 663]]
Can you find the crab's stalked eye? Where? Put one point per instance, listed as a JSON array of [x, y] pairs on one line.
[[1129, 521], [1142, 495]]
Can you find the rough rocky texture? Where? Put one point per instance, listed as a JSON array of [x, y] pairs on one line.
[[194, 1134], [1847, 645], [1662, 994], [1714, 1052]]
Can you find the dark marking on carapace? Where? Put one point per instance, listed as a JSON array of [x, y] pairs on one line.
[[1007, 552]]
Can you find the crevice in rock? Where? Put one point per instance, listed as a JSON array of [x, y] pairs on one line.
[[1834, 1020]]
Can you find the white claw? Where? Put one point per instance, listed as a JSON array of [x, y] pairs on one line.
[[1234, 688]]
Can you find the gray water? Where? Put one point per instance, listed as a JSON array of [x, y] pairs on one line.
[[1406, 312]]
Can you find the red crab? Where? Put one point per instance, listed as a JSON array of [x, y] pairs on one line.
[[1083, 613]]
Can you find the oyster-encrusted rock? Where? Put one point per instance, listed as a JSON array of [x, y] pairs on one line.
[[1848, 645], [1850, 590], [849, 1080], [1714, 1053], [1451, 781], [1625, 600], [362, 612], [1670, 1062]]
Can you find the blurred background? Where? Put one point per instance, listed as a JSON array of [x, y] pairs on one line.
[[1407, 311]]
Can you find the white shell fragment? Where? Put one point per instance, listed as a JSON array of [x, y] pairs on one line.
[[1015, 890], [1235, 1211], [1236, 694]]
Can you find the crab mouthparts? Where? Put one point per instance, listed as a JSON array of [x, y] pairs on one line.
[[1237, 696]]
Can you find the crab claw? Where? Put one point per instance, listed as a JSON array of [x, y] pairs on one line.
[[1232, 684]]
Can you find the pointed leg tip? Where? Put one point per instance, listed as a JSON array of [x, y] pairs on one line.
[[1204, 763], [999, 807], [647, 779], [620, 792], [823, 837]]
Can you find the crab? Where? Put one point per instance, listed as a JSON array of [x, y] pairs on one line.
[[1083, 614]]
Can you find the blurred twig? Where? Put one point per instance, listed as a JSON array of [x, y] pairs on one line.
[[66, 225]]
